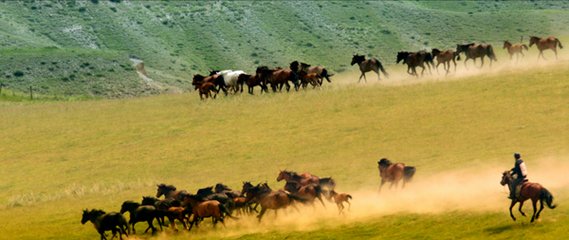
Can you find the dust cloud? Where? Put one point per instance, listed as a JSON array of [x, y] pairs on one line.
[[473, 190]]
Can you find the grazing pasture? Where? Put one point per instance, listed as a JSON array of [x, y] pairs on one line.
[[458, 131]]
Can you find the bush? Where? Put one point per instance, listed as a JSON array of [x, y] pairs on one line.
[[18, 73]]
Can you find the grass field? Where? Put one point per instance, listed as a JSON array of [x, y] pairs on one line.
[[460, 132]]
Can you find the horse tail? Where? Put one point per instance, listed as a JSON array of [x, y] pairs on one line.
[[559, 43], [349, 196], [408, 173], [525, 46], [457, 56], [380, 66], [490, 52], [546, 195], [223, 209]]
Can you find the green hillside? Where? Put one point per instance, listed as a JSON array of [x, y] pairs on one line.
[[91, 41]]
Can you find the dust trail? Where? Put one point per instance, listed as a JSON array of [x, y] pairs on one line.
[[476, 190], [399, 76]]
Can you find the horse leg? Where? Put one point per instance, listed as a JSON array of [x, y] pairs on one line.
[[321, 201], [381, 185], [482, 62], [540, 208], [260, 216], [466, 67], [511, 206], [555, 51], [520, 209], [533, 204]]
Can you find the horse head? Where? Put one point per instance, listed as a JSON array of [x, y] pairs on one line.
[[507, 44], [506, 178], [435, 52], [533, 40], [357, 59], [164, 189], [402, 56], [383, 163], [283, 175], [86, 216]]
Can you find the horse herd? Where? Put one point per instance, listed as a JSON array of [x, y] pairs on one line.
[[302, 74], [220, 202]]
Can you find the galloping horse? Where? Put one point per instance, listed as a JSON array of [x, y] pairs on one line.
[[414, 60], [544, 44], [114, 222], [141, 213], [309, 193], [445, 57], [515, 49], [528, 190], [269, 199], [205, 208], [302, 179], [473, 51], [367, 65], [230, 78], [320, 71], [251, 81], [394, 172], [169, 192]]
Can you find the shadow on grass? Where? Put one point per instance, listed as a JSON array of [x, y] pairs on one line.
[[505, 228]]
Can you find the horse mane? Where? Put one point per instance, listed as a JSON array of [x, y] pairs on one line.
[[384, 162]]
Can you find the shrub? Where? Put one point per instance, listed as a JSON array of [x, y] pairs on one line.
[[18, 73]]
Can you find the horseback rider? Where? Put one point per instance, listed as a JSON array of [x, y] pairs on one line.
[[519, 172]]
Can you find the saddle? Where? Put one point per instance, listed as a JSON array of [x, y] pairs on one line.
[[519, 188]]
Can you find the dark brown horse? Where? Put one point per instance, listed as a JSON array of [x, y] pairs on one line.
[[394, 173], [214, 78], [169, 192], [308, 193], [445, 57], [528, 190], [515, 49], [367, 65], [141, 213], [414, 60], [474, 50], [252, 81], [205, 90], [544, 44], [114, 222]]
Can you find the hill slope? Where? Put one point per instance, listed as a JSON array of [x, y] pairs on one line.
[[178, 39]]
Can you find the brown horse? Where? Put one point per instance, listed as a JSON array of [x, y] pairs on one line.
[[544, 44], [280, 77], [367, 65], [414, 60], [269, 199], [320, 71], [308, 78], [339, 199], [515, 49], [205, 208], [205, 90], [394, 172], [445, 57], [474, 50], [214, 78], [309, 193], [528, 190], [302, 179]]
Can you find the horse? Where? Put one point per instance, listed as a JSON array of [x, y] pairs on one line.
[[180, 214], [161, 206], [251, 81], [303, 179], [339, 199], [213, 77], [414, 60], [269, 199], [224, 189], [280, 77], [528, 190], [320, 71], [202, 208], [367, 65], [113, 221], [394, 173], [515, 49], [544, 44], [141, 213], [308, 78], [205, 90], [473, 51], [230, 78], [445, 57], [207, 193], [169, 192]]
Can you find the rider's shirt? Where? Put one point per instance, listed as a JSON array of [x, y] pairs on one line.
[[520, 168]]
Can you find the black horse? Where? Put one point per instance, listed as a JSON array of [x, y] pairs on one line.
[[141, 213], [113, 221], [367, 65]]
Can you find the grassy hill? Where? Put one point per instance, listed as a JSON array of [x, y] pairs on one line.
[[61, 157], [92, 41]]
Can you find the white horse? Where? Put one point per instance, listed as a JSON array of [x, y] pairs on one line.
[[230, 78]]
